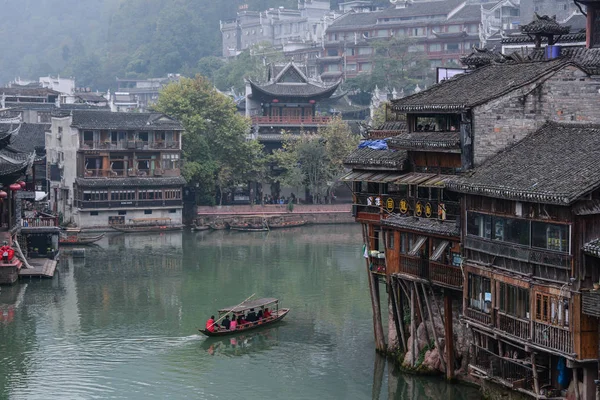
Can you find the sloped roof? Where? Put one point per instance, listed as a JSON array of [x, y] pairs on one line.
[[465, 91], [113, 120], [28, 91], [442, 141], [423, 225], [130, 182], [544, 25], [588, 59], [31, 137], [367, 158], [481, 57], [557, 164]]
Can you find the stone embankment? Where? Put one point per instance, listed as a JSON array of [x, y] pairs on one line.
[[311, 213]]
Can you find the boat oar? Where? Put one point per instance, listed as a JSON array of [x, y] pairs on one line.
[[224, 314]]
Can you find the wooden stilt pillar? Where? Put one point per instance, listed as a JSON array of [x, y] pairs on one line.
[[378, 370], [536, 379], [437, 343], [576, 380], [399, 331], [421, 312], [449, 336], [375, 305], [413, 335]]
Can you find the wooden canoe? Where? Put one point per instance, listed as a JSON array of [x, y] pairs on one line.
[[276, 316], [75, 241]]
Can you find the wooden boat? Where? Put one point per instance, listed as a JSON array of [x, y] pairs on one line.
[[197, 227], [75, 240], [285, 222], [218, 225], [148, 225], [249, 224], [277, 315]]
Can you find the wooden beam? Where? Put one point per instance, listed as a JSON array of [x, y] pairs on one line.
[[396, 316], [449, 337], [421, 312], [412, 327], [374, 292], [435, 337], [536, 379]]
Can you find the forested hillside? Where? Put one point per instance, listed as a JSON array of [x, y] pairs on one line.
[[98, 40]]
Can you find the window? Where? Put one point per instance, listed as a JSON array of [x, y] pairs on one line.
[[514, 301], [172, 194], [382, 33], [479, 225], [150, 194], [552, 309], [390, 244], [93, 212], [365, 67], [333, 68], [147, 212], [363, 51], [170, 160], [95, 195], [452, 47], [480, 293], [172, 211], [122, 195], [454, 28], [350, 67], [418, 31], [550, 236], [435, 47], [122, 212]]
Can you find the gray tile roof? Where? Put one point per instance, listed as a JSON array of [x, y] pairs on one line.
[[294, 89], [28, 91], [544, 25], [588, 59], [480, 57], [367, 158], [426, 141], [117, 120], [431, 226], [566, 38], [465, 91], [52, 106], [592, 248], [31, 137], [557, 164], [130, 182]]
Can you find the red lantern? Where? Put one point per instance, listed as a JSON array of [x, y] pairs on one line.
[[312, 101], [275, 100], [23, 184], [3, 194], [15, 187]]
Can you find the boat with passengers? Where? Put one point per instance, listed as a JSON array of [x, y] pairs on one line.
[[243, 309]]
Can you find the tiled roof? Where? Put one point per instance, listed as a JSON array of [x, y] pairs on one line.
[[567, 38], [52, 106], [426, 141], [118, 120], [425, 225], [592, 248], [91, 97], [557, 164], [480, 57], [130, 182], [12, 161], [28, 91], [294, 89], [469, 12], [465, 91], [544, 25], [367, 158], [588, 59], [31, 137]]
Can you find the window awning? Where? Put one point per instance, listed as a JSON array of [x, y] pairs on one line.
[[438, 181], [417, 245], [414, 178], [377, 177], [437, 254]]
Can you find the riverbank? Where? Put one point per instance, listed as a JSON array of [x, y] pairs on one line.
[[311, 213]]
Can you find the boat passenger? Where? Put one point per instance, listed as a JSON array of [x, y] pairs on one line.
[[241, 320], [260, 315], [251, 317], [233, 323], [210, 324], [226, 322], [267, 313]]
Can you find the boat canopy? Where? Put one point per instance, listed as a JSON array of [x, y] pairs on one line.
[[249, 304]]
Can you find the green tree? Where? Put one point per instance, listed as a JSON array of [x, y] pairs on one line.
[[316, 160], [217, 154]]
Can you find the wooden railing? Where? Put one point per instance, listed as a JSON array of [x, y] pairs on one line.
[[516, 373], [448, 275], [132, 172], [478, 316], [378, 265], [37, 222], [129, 145], [414, 266], [514, 326], [291, 120], [553, 337]]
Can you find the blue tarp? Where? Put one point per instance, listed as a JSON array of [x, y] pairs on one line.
[[374, 144]]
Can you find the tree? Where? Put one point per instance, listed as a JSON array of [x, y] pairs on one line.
[[216, 152], [316, 160]]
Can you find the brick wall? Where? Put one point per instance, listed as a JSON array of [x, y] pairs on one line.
[[567, 96]]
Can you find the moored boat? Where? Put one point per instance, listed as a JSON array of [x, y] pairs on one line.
[[276, 315], [197, 227], [72, 240], [148, 225], [282, 221], [249, 224]]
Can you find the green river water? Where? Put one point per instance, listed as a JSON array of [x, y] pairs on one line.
[[121, 322]]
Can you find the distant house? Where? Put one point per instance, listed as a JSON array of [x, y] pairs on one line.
[[108, 168], [138, 94]]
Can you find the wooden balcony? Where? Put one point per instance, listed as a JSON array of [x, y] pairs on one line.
[[445, 275], [514, 373], [513, 326], [377, 265], [35, 222], [131, 172], [478, 316], [553, 337], [414, 266], [130, 145], [290, 120]]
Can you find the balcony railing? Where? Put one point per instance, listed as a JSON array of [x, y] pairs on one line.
[[131, 172], [515, 373], [447, 275], [129, 145], [378, 265], [39, 222], [553, 337], [478, 316], [415, 266], [95, 204], [290, 120], [514, 326]]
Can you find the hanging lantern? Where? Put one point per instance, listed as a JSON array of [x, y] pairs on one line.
[[3, 194], [312, 101], [23, 184], [15, 187], [275, 100]]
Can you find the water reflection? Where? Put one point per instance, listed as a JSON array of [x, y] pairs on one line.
[[244, 344]]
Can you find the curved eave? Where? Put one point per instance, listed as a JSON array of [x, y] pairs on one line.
[[562, 199], [324, 94]]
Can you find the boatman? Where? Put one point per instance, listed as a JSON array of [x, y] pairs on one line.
[[226, 322], [210, 324]]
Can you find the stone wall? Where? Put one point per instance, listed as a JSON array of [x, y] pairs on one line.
[[84, 219], [569, 95]]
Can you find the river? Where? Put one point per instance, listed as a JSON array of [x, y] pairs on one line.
[[121, 322]]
